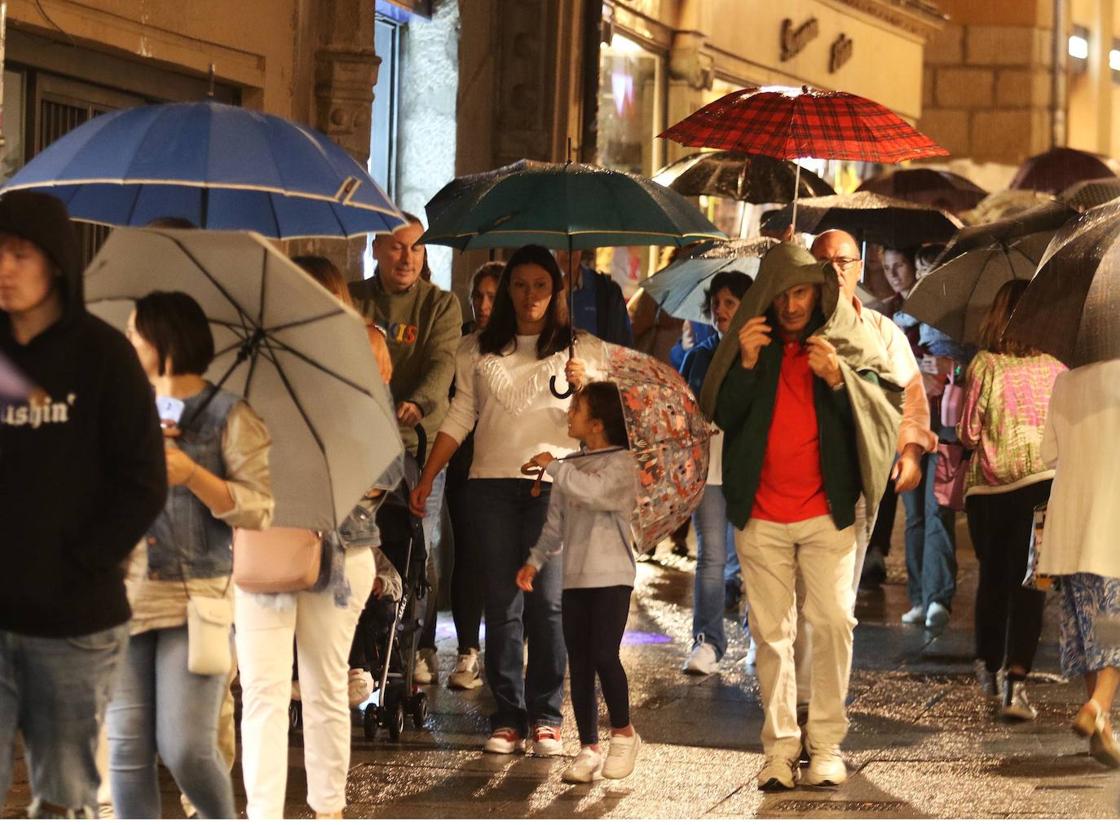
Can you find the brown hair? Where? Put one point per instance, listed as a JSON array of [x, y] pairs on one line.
[[994, 325], [604, 403], [490, 269], [177, 328], [326, 274]]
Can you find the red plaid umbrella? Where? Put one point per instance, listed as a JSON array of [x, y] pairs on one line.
[[788, 123]]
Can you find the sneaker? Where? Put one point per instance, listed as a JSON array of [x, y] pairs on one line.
[[702, 660], [778, 774], [359, 686], [546, 741], [990, 684], [915, 615], [504, 740], [620, 759], [874, 571], [1016, 705], [826, 766], [426, 669], [586, 767], [467, 674], [937, 616]]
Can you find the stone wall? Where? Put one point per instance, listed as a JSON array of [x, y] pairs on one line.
[[986, 90]]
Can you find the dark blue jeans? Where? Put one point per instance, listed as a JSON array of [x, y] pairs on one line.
[[507, 521], [931, 543]]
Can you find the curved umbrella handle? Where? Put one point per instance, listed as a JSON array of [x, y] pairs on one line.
[[552, 388]]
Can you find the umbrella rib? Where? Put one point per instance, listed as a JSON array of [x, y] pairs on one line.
[[313, 319], [217, 285], [306, 418], [282, 347]]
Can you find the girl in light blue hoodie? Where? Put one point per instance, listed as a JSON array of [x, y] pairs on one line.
[[590, 519]]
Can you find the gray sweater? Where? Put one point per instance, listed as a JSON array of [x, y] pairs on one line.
[[590, 518]]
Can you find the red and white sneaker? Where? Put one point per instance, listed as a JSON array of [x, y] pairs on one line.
[[546, 741], [504, 740]]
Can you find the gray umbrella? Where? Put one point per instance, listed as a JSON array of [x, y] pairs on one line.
[[956, 296], [287, 346], [1071, 305]]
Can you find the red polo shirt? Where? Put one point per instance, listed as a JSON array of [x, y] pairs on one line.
[[791, 488]]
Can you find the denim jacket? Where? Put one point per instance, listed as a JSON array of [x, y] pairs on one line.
[[186, 539]]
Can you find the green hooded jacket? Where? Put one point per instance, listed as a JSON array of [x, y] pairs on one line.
[[858, 423]]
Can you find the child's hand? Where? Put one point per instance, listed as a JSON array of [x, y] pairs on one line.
[[542, 460], [525, 577]]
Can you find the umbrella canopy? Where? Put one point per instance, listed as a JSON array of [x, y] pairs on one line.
[[561, 206], [786, 123], [1005, 204], [1086, 194], [741, 177], [218, 166], [679, 287], [669, 437], [1036, 225], [1071, 305], [956, 296], [1058, 169], [931, 187], [873, 218], [299, 357]]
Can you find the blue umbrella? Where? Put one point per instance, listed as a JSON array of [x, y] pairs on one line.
[[219, 166]]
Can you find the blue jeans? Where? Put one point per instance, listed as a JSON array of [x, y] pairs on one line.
[[507, 521], [715, 541], [54, 692], [159, 706], [931, 543]]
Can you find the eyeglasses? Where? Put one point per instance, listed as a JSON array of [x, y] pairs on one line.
[[841, 262]]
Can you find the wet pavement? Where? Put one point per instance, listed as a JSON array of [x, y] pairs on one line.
[[923, 741]]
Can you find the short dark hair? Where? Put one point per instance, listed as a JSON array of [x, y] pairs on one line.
[[604, 404], [175, 325], [490, 269], [502, 329], [927, 254], [731, 279]]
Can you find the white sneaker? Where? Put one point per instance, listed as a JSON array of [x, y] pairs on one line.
[[359, 686], [826, 766], [546, 741], [622, 755], [937, 616], [504, 740], [702, 660], [1015, 704], [586, 767], [778, 774], [915, 615], [426, 669], [466, 675]]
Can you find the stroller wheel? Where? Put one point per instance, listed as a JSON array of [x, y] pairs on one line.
[[396, 722], [419, 709], [369, 723], [295, 716]]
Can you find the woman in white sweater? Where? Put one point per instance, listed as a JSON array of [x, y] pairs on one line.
[[1079, 545], [502, 385]]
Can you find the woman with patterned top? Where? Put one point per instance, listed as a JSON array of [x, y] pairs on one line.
[[1007, 391]]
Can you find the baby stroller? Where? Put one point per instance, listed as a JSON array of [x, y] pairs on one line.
[[388, 632]]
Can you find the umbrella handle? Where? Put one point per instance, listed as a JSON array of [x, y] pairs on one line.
[[552, 388]]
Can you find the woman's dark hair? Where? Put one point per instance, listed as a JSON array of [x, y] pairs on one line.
[[993, 326], [927, 254], [604, 403], [502, 329], [732, 279], [175, 325], [326, 274], [908, 252]]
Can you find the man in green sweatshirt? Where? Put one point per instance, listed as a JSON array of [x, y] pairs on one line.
[[422, 326]]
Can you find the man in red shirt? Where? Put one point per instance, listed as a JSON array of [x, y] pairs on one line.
[[792, 476]]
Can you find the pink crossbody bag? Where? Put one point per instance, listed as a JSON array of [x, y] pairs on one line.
[[276, 560]]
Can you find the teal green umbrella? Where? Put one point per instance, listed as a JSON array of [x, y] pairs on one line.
[[561, 206]]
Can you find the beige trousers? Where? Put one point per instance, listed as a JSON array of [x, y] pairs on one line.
[[773, 556]]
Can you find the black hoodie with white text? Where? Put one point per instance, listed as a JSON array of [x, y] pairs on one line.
[[82, 473]]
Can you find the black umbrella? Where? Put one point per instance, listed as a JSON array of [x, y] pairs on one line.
[[1040, 223], [872, 218], [1089, 193], [1058, 169], [931, 187], [1072, 304], [741, 177]]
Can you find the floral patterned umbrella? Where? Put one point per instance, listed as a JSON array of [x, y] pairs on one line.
[[669, 439]]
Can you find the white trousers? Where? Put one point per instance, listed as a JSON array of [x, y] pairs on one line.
[[773, 556], [323, 633], [803, 647]]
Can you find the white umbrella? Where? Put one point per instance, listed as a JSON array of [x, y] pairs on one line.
[[285, 344]]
